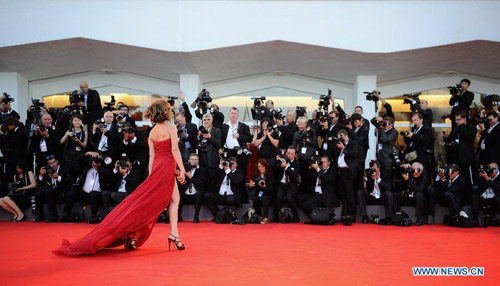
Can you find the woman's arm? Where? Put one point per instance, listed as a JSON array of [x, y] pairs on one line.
[[152, 153], [84, 143], [273, 140], [259, 141], [32, 180], [175, 150]]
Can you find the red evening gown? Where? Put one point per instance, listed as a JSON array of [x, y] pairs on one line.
[[137, 214]]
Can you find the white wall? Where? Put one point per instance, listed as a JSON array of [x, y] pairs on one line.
[[16, 86], [188, 25]]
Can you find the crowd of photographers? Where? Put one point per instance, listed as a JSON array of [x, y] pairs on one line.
[[96, 156]]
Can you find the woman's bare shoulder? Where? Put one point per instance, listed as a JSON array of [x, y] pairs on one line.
[[161, 132]]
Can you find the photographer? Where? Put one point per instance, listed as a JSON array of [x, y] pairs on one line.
[[46, 141], [262, 184], [228, 187], [187, 135], [421, 106], [218, 116], [377, 192], [461, 100], [287, 172], [448, 191], [52, 184], [386, 109], [75, 142], [235, 136], [324, 191], [105, 137], [135, 146], [360, 134], [413, 191], [92, 102], [20, 191], [489, 143], [329, 131], [419, 142], [208, 143], [88, 187], [259, 110], [123, 116], [359, 110], [387, 137], [287, 129], [347, 166], [14, 144], [123, 182], [184, 108], [266, 141], [194, 188], [460, 151], [306, 143], [488, 193], [5, 108]]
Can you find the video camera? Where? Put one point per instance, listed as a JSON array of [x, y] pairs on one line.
[[372, 96], [109, 106], [300, 111], [324, 102], [457, 89], [258, 109], [278, 113], [412, 97], [7, 98], [201, 103]]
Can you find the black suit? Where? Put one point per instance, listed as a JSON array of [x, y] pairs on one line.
[[236, 184], [94, 106], [218, 119], [386, 195], [113, 196], [286, 191], [209, 158], [491, 141], [52, 145], [263, 196], [346, 176], [244, 138], [385, 148], [305, 150], [49, 191], [14, 148], [329, 149], [478, 201], [421, 141], [137, 151], [113, 146], [418, 187], [198, 181], [449, 195], [286, 137], [188, 139], [328, 197], [460, 102]]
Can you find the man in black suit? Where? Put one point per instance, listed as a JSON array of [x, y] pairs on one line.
[[347, 166], [359, 110], [228, 187], [488, 193], [460, 151], [5, 107], [134, 145], [106, 138], [461, 101], [14, 144], [489, 144], [52, 184], [187, 135], [194, 188], [235, 136], [123, 182], [287, 183], [423, 109], [419, 142], [306, 143], [324, 191], [378, 191], [329, 131], [46, 141], [92, 101], [88, 187], [448, 192], [287, 129], [208, 143], [414, 191], [359, 131], [387, 137], [124, 116]]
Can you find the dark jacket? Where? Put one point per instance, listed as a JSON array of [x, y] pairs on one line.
[[287, 132], [426, 114], [292, 173], [328, 194], [418, 185], [94, 106], [387, 139], [491, 140], [461, 103], [384, 185], [104, 177], [243, 132], [493, 184], [199, 181], [462, 152], [14, 147], [114, 138], [237, 181], [420, 142], [269, 189], [213, 145], [456, 188], [351, 156], [132, 181], [300, 143], [138, 151]]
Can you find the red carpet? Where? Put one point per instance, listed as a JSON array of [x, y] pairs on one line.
[[270, 254]]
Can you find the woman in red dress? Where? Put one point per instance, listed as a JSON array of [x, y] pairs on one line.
[[132, 221]]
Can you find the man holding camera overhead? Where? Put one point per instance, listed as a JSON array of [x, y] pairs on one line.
[[92, 101], [461, 99], [208, 143], [419, 106]]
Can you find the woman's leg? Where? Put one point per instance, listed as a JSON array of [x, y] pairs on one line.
[[13, 205], [173, 209], [6, 207]]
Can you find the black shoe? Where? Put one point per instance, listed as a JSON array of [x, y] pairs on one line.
[[66, 218], [52, 219], [296, 219], [196, 219], [388, 221], [179, 219], [39, 219], [430, 219], [420, 221], [365, 219], [347, 221]]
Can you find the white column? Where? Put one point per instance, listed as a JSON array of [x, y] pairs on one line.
[[191, 85], [16, 86], [367, 83]]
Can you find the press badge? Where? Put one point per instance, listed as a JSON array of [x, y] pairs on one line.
[[303, 150], [78, 148], [456, 104], [380, 146], [325, 146]]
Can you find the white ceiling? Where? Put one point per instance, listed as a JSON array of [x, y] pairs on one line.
[[54, 59]]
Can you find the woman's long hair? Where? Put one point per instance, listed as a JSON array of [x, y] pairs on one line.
[[159, 111], [264, 163]]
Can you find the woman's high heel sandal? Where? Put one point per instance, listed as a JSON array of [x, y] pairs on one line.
[[131, 244], [176, 241]]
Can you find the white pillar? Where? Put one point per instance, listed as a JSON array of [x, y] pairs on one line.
[[16, 86], [191, 85], [367, 83]]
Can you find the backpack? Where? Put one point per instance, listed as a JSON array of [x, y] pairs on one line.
[[323, 216], [285, 215]]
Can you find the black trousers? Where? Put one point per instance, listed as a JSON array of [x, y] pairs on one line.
[[111, 199], [386, 171], [307, 175], [316, 201], [451, 200], [211, 168], [214, 199], [196, 200], [79, 196], [346, 192], [242, 160], [261, 204], [50, 196], [386, 199], [418, 201], [479, 202], [285, 193]]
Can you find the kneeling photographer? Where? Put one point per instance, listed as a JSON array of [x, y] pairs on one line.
[[448, 190], [488, 196], [87, 188], [412, 190], [262, 184], [377, 191], [194, 188], [287, 172]]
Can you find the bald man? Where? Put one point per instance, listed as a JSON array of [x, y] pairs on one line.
[[92, 101]]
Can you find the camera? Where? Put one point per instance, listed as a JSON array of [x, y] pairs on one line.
[[324, 100], [203, 130], [123, 164], [75, 97], [243, 150], [337, 140], [404, 170], [100, 123], [119, 117], [484, 169], [225, 159], [201, 103], [280, 160], [7, 98], [411, 97], [315, 159], [371, 170], [372, 96], [479, 119], [12, 186], [455, 89], [109, 106], [97, 160], [273, 128], [308, 133], [260, 181], [300, 111], [404, 133], [258, 101], [378, 124], [171, 100], [278, 113], [346, 119], [258, 109], [395, 157]]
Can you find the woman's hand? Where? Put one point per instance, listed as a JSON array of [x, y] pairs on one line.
[[182, 177], [251, 184]]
